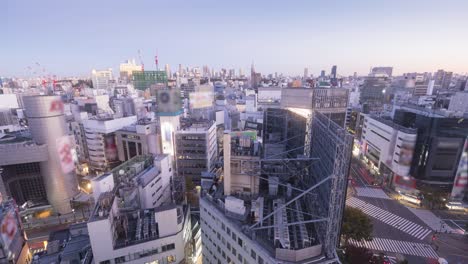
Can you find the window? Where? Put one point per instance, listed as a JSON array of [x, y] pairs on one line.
[[239, 257], [234, 251], [168, 247], [260, 260], [253, 254], [223, 226], [105, 262], [228, 231], [239, 241], [234, 237], [228, 246], [119, 259]]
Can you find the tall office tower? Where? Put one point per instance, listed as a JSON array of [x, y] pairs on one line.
[[101, 79], [333, 72], [446, 80], [373, 94], [381, 72], [135, 219], [439, 144], [196, 152], [232, 73], [322, 74], [46, 122], [180, 71], [241, 73], [127, 68], [167, 69], [331, 102], [333, 78], [306, 73], [295, 216]]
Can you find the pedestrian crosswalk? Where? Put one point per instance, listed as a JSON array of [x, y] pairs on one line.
[[398, 246], [371, 192], [394, 220], [430, 219]]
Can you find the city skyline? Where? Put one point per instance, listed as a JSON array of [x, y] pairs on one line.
[[72, 39]]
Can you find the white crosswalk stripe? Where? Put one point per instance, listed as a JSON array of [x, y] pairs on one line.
[[398, 246], [430, 219], [391, 219], [371, 192]]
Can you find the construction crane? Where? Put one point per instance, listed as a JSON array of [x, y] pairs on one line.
[[141, 61]]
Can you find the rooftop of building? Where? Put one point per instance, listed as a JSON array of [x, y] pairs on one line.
[[194, 126], [429, 112], [244, 211], [389, 122]]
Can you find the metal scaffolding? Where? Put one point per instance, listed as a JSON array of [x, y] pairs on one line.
[[308, 152]]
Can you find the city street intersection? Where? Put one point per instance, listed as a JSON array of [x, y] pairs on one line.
[[400, 229]]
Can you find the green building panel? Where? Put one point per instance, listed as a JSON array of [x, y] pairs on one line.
[[143, 80]]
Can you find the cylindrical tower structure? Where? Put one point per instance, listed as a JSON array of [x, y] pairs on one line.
[[47, 125]]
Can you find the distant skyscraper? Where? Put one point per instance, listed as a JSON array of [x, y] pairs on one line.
[[306, 73], [168, 71], [333, 79], [443, 79], [322, 74], [241, 73], [180, 70], [333, 72]]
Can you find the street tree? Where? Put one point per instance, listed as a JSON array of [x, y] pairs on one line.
[[357, 255], [356, 226]]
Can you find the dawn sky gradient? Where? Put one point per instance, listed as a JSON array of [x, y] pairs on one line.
[[73, 37]]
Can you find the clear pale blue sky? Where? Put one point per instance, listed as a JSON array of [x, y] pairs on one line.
[[73, 37]]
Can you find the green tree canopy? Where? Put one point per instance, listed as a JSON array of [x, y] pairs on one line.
[[356, 225]]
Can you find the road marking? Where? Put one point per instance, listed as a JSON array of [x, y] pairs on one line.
[[398, 246], [463, 230], [371, 192], [391, 219], [434, 222]]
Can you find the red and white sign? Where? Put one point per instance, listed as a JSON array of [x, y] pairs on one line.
[[56, 106], [64, 148]]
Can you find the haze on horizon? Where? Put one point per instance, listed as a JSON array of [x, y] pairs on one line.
[[72, 38]]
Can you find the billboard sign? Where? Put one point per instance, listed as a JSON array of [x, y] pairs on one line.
[[8, 228], [168, 101], [406, 154], [110, 147], [64, 150], [201, 100], [461, 178]]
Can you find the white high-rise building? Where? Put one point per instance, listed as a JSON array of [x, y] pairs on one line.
[[167, 68], [101, 78], [127, 68]]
